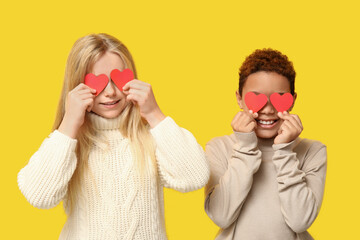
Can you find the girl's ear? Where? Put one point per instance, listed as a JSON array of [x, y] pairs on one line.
[[239, 99], [294, 96]]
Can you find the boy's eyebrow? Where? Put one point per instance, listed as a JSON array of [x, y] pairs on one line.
[[257, 93]]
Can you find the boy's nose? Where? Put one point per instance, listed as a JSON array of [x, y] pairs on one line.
[[268, 108]]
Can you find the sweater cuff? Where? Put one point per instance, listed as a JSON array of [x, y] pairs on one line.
[[162, 128], [285, 147], [246, 140], [64, 139], [287, 164]]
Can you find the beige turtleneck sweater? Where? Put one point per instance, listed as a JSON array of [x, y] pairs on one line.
[[114, 203], [261, 191]]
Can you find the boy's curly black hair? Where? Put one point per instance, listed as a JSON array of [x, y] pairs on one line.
[[268, 60]]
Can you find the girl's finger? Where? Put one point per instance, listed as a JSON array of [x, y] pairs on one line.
[[90, 106], [89, 103], [86, 96], [85, 90], [82, 86], [133, 98], [135, 84], [137, 92]]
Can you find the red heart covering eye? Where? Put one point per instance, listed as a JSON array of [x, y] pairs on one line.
[[121, 78], [282, 102], [255, 102], [96, 82]]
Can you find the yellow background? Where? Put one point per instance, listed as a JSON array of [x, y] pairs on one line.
[[190, 51]]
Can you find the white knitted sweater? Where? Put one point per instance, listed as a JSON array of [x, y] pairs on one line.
[[114, 203]]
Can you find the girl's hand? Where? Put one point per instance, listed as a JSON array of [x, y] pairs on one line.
[[142, 94], [78, 101], [290, 129], [244, 122]]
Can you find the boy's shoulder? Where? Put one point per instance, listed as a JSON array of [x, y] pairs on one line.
[[309, 145], [226, 140], [222, 145], [310, 152]]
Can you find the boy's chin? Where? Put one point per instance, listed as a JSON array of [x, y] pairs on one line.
[[266, 133]]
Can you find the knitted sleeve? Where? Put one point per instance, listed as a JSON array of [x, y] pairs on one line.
[[300, 185], [181, 160], [232, 165], [44, 180]]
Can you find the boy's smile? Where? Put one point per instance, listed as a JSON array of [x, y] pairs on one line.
[[268, 122]]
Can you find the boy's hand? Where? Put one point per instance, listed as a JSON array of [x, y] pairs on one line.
[[244, 122], [290, 129]]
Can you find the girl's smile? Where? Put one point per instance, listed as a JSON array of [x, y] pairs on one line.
[[111, 101], [111, 104]]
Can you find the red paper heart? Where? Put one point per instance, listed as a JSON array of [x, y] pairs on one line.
[[121, 78], [282, 102], [96, 82], [255, 102]]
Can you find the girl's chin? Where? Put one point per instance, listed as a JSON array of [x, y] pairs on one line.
[[111, 115], [108, 114]]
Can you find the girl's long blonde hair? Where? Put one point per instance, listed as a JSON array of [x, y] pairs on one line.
[[83, 55]]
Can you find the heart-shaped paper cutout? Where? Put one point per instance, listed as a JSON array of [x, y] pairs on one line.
[[96, 82], [121, 78], [282, 102], [255, 102]]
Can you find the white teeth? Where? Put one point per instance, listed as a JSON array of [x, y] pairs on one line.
[[110, 103], [266, 122]]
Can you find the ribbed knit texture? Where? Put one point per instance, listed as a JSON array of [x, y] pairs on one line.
[[114, 202]]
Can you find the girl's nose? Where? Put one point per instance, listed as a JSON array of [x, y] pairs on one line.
[[110, 90]]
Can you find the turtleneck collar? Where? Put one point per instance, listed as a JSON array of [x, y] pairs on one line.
[[265, 144], [102, 123]]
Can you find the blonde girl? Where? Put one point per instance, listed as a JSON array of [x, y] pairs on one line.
[[111, 152]]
